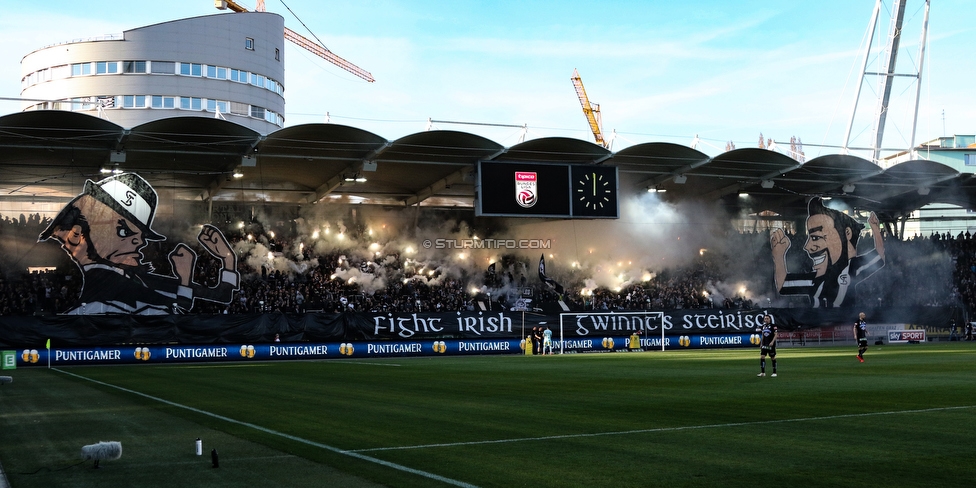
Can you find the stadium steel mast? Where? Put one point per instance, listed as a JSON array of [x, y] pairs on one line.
[[887, 73]]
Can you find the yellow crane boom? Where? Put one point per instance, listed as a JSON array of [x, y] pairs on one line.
[[591, 110], [303, 42]]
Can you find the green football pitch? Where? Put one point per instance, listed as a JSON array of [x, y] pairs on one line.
[[905, 417]]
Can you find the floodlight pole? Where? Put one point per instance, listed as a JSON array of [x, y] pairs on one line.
[[867, 56]]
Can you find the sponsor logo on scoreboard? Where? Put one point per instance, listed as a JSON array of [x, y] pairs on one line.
[[526, 188]]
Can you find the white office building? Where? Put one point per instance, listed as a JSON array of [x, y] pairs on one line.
[[228, 65]]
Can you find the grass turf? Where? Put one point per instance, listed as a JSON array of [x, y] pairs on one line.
[[679, 418]]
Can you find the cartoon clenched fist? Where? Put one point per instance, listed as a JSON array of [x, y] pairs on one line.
[[779, 243], [183, 258], [216, 244]]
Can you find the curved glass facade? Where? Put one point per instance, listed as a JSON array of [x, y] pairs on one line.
[[152, 68], [165, 102], [178, 68]]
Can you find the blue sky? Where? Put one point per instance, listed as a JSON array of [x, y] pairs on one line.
[[661, 71]]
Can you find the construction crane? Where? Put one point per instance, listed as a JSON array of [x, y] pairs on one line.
[[302, 41], [591, 110]]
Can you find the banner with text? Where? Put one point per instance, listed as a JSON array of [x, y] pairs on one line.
[[103, 330]]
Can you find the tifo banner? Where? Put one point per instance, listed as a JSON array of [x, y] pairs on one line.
[[831, 247], [103, 330], [105, 229]]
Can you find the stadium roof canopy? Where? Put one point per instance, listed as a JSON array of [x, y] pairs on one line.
[[47, 155]]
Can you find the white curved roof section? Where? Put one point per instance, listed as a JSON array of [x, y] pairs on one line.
[[53, 152]]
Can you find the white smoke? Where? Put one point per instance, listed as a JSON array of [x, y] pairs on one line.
[[380, 245]]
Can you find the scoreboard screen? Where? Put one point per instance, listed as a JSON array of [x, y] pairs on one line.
[[546, 190]]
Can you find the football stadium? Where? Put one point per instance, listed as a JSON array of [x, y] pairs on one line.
[[193, 293]]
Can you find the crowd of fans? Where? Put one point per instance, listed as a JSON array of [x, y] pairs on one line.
[[937, 270]]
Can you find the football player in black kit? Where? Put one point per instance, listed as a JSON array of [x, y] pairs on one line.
[[768, 345], [861, 333]]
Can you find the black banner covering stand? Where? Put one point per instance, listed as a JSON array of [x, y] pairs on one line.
[[67, 331]]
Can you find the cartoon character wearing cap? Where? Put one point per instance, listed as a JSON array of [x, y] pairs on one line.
[[104, 230], [832, 247]]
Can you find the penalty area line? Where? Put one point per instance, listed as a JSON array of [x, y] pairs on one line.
[[663, 429], [266, 430]]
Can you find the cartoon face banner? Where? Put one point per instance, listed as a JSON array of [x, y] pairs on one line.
[[105, 229], [831, 245]]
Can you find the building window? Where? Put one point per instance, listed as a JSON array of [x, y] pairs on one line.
[[133, 66], [60, 72], [191, 103], [238, 108], [191, 69], [81, 69], [133, 101], [970, 159], [277, 54], [249, 43], [216, 72], [163, 67], [106, 67], [159, 101]]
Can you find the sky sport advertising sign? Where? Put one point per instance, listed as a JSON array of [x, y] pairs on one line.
[[906, 336]]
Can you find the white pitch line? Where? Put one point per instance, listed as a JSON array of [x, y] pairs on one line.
[[367, 363], [327, 447], [660, 429], [210, 366]]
